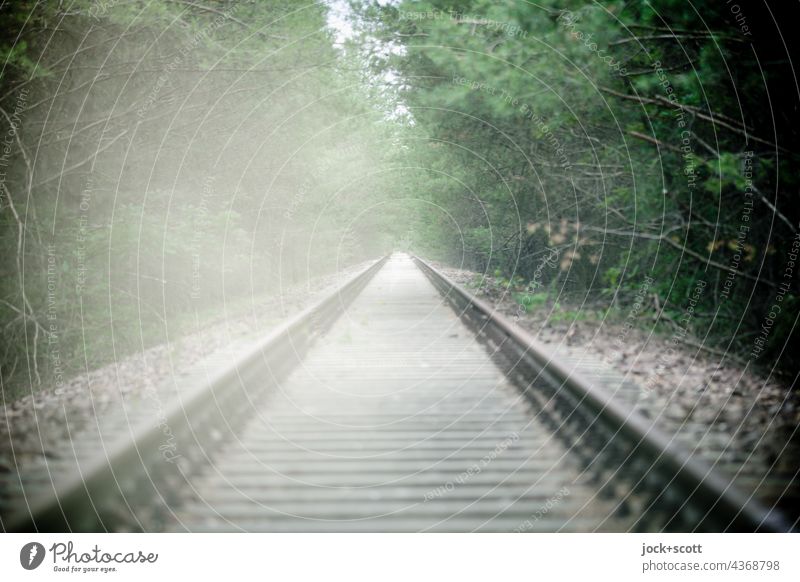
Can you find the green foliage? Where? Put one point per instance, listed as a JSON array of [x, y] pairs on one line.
[[189, 159], [531, 301], [611, 276], [186, 156], [528, 108]]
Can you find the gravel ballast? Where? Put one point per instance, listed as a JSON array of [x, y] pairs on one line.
[[36, 426], [717, 406], [708, 400]]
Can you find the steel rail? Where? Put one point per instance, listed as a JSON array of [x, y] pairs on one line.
[[134, 464], [132, 468], [713, 498]]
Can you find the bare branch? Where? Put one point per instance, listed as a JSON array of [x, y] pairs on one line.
[[714, 118], [683, 249], [82, 162], [227, 16], [673, 36]]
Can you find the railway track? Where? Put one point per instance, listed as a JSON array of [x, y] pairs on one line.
[[398, 403]]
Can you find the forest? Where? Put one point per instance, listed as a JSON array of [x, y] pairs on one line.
[[166, 163]]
